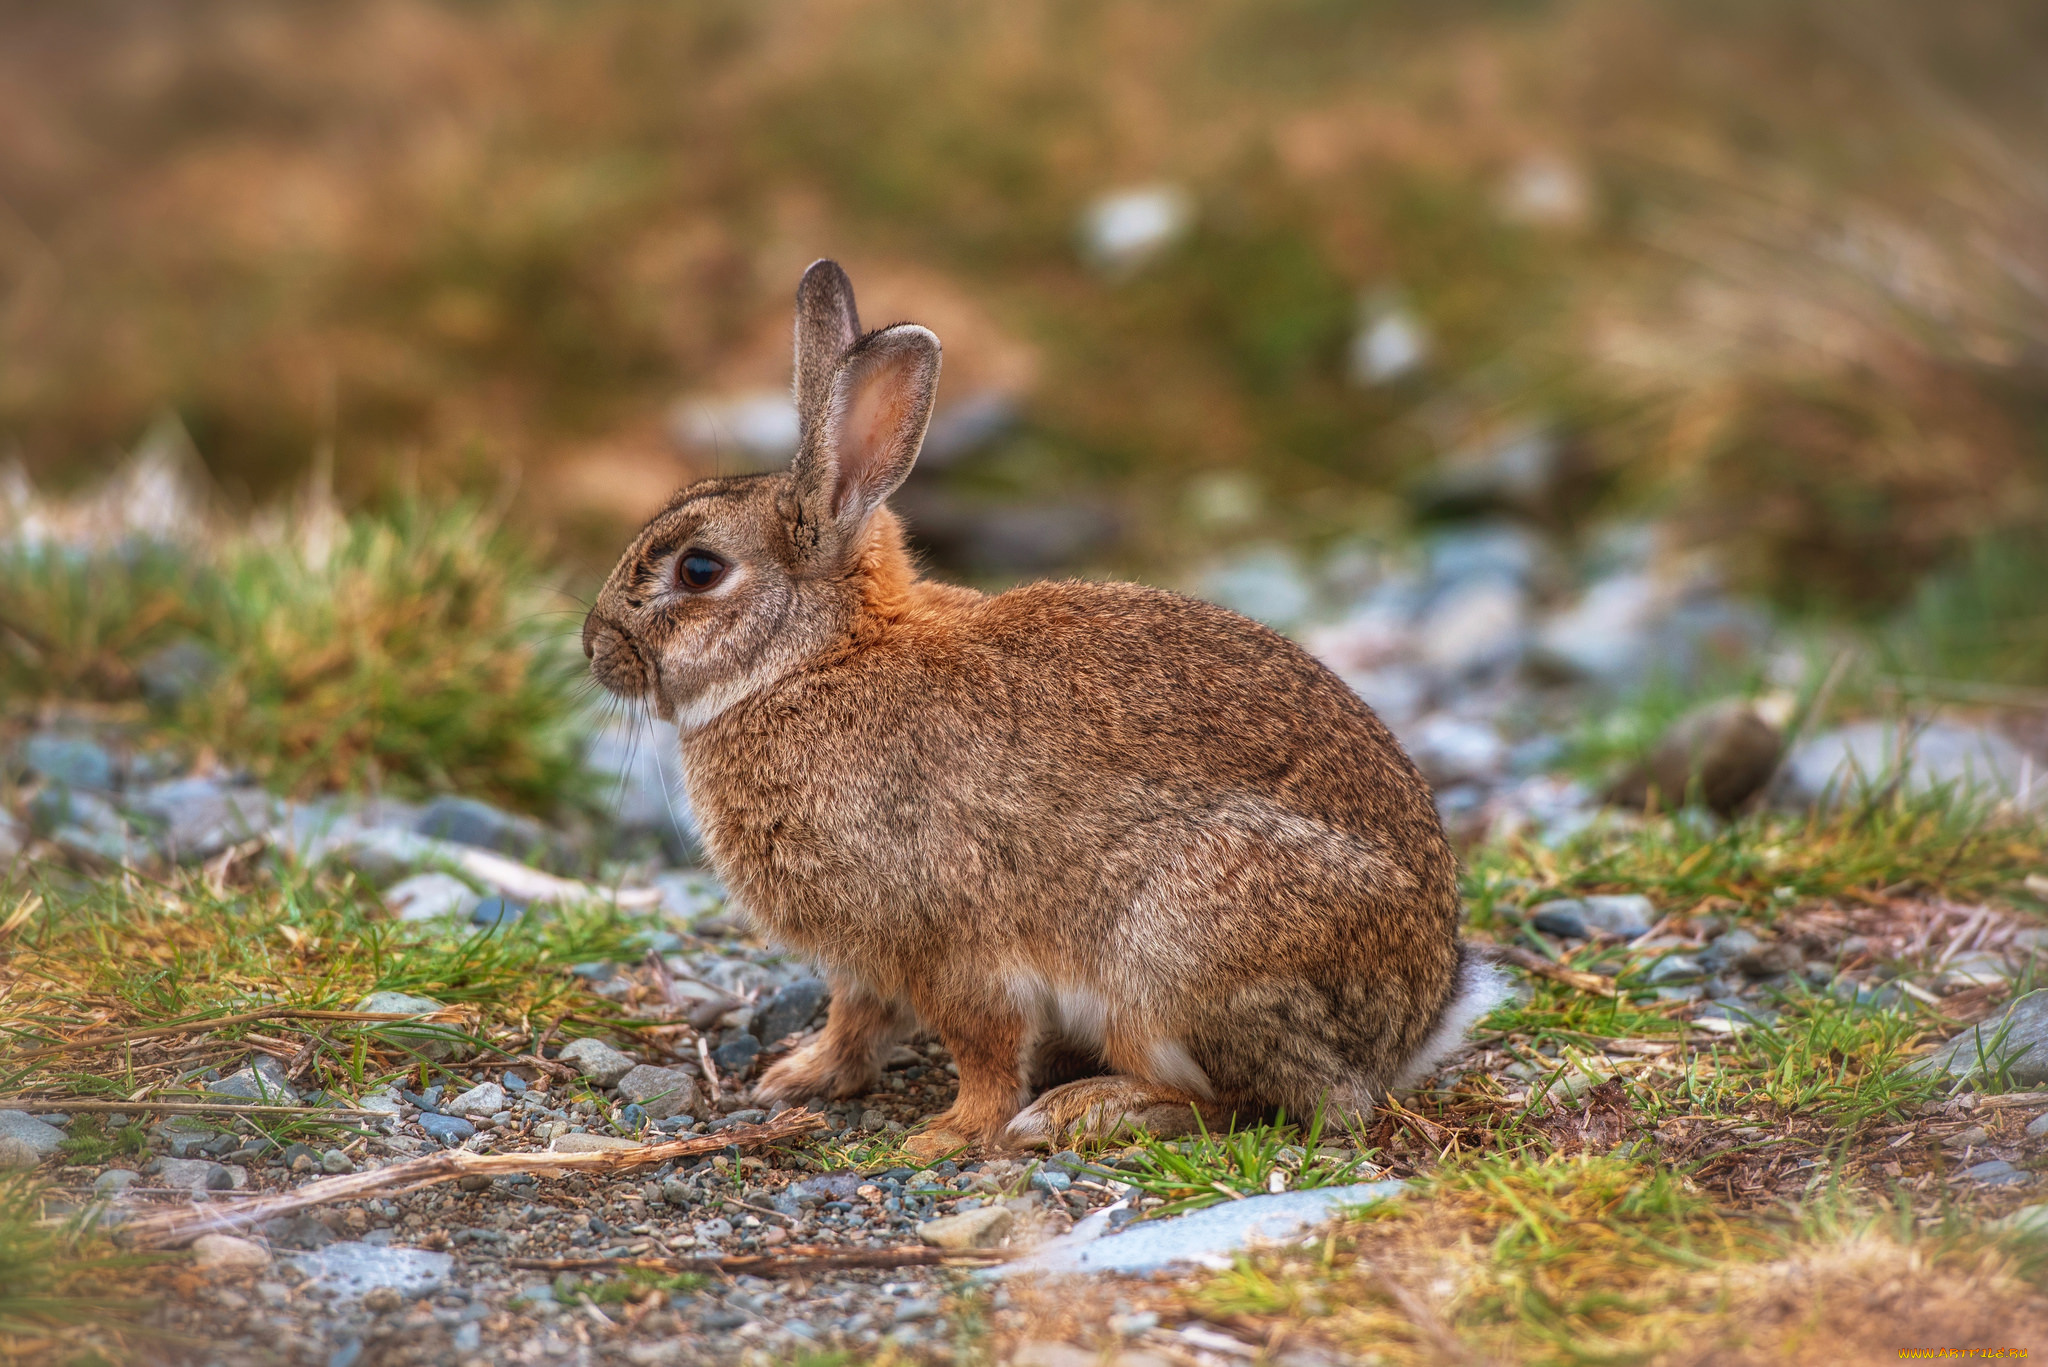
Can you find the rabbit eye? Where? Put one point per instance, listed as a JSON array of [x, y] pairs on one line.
[[698, 571]]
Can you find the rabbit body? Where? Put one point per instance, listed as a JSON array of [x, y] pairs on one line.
[[1094, 823]]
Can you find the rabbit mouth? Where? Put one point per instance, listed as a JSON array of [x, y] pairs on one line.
[[615, 661]]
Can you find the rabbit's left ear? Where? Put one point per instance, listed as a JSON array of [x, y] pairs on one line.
[[867, 436]]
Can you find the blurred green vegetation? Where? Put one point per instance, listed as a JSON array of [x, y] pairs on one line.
[[1771, 269], [412, 651]]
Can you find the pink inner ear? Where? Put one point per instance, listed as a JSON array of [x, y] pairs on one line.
[[870, 433]]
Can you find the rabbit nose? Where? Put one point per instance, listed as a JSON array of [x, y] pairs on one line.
[[589, 650]]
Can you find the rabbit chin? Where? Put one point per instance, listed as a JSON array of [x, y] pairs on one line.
[[714, 700]]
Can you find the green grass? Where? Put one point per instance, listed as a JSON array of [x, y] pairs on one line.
[[64, 1285], [1189, 1174], [120, 954], [414, 651], [1890, 843]]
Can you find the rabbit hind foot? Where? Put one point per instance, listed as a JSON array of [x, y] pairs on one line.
[[1100, 1108]]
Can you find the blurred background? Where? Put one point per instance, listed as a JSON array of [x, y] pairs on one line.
[[1580, 340]]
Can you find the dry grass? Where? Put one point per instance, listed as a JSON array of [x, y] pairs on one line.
[[1799, 296]]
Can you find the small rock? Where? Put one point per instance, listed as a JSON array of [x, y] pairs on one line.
[[1996, 1173], [662, 1091], [789, 1010], [265, 1085], [450, 1130], [1391, 342], [1719, 754], [467, 821], [71, 761], [1561, 920], [336, 1162], [1976, 968], [1673, 967], [114, 1181], [2023, 1026], [436, 1044], [633, 1117], [736, 1056], [349, 1270], [170, 674], [1627, 915], [1123, 230], [984, 1228], [225, 1253], [194, 1174], [591, 1143], [196, 818], [2038, 1126], [33, 1135], [430, 897], [496, 911], [484, 1099], [597, 1061]]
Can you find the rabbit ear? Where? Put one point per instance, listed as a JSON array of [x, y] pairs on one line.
[[827, 326], [868, 433]]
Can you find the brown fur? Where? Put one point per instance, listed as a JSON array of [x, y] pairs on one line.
[[1074, 817]]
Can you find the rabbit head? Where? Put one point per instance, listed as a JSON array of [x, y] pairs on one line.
[[738, 581]]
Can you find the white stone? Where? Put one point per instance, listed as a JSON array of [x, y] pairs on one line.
[[226, 1253], [486, 1098], [430, 897], [591, 1143], [1123, 230], [983, 1228], [1391, 342]]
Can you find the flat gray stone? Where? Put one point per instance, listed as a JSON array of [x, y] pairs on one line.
[[789, 1010], [347, 1270], [2016, 1038], [597, 1061], [41, 1139], [662, 1092], [1205, 1238], [194, 1174], [433, 1042], [485, 1099], [1625, 914], [258, 1085], [199, 817]]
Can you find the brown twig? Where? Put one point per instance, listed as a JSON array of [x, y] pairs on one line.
[[143, 1032], [64, 1107], [175, 1229], [797, 1258], [710, 1071], [1535, 963]]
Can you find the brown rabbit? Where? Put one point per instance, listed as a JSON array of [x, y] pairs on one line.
[[1087, 826]]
